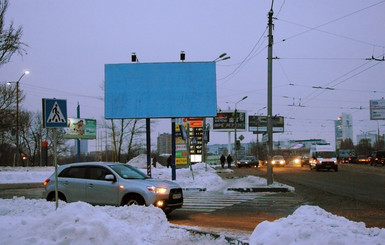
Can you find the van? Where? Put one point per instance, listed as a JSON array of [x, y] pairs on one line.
[[322, 156]]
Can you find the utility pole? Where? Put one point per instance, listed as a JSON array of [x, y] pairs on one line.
[[270, 99]]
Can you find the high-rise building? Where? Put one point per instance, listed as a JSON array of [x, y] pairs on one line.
[[343, 128], [164, 143]]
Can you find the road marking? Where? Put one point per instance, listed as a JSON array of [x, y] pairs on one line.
[[211, 201]]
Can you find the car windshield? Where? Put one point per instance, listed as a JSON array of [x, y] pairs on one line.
[[278, 158], [248, 158], [128, 172], [326, 154]]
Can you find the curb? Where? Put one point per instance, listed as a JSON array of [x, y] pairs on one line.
[[230, 240], [247, 189], [260, 189], [194, 189], [21, 185]]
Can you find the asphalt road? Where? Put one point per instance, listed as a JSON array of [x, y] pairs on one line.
[[356, 191]]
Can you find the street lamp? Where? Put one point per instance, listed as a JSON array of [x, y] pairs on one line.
[[17, 111], [235, 128], [222, 57]]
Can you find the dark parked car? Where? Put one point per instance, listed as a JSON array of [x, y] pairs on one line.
[[378, 157], [248, 161], [103, 183]]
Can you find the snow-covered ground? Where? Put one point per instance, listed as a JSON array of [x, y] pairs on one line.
[[24, 221]]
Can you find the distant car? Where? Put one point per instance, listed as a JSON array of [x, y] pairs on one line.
[[248, 161], [305, 161], [363, 159], [296, 160], [103, 183], [378, 157], [278, 161]]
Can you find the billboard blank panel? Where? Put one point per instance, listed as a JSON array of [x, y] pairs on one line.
[[160, 90]]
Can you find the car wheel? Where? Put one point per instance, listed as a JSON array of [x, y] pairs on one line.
[[133, 200], [51, 197]]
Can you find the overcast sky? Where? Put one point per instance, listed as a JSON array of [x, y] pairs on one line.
[[326, 45]]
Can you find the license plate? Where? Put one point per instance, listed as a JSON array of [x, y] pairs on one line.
[[176, 196]]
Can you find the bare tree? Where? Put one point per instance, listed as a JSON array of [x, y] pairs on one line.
[[9, 38], [125, 133], [117, 138]]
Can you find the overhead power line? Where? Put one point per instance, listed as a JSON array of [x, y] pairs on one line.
[[334, 20], [246, 59]]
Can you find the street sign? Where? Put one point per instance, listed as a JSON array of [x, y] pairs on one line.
[[54, 113]]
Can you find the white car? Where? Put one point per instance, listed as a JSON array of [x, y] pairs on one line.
[[117, 184], [278, 161]]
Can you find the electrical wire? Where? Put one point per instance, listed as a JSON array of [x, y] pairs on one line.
[[245, 60], [334, 20], [327, 32]]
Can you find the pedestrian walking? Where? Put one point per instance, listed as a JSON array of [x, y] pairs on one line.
[[154, 160], [169, 161], [229, 160], [223, 160]]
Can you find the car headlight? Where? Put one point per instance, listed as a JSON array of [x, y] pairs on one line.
[[158, 190]]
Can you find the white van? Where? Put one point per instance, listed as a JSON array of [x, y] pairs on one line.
[[323, 156]]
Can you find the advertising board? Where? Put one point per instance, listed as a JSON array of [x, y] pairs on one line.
[[377, 109], [224, 121], [258, 124], [160, 90], [80, 128]]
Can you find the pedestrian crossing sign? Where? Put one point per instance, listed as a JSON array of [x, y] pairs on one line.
[[54, 113]]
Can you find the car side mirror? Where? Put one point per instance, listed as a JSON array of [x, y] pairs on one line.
[[110, 177]]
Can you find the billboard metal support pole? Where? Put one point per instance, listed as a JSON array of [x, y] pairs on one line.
[[148, 142], [173, 146]]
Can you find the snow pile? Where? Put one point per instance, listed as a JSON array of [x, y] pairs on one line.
[[24, 174], [37, 222], [313, 225]]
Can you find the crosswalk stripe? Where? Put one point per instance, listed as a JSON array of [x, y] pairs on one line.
[[211, 201]]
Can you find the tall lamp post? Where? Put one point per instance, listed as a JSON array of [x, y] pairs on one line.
[[17, 111], [235, 129]]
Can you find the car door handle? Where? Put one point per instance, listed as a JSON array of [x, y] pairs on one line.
[[65, 182], [91, 185]]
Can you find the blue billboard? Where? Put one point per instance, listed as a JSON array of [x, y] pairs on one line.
[[160, 90]]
